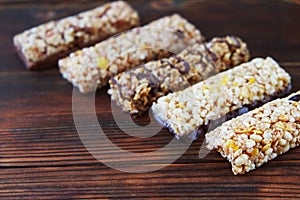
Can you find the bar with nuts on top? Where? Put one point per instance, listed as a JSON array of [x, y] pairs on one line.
[[192, 111], [42, 46], [260, 135], [92, 67], [135, 90]]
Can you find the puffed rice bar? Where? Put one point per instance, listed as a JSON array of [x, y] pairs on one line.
[[92, 67], [189, 112], [260, 135], [135, 90], [42, 46]]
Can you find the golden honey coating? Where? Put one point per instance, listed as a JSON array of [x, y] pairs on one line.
[[258, 136]]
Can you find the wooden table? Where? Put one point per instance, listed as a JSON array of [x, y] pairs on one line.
[[42, 156]]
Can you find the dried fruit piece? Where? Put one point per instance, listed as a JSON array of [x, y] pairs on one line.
[[102, 63]]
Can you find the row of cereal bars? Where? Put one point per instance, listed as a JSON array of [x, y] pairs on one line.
[[191, 85]]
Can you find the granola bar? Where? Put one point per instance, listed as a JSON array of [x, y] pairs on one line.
[[92, 67], [189, 112], [135, 90], [258, 136], [42, 46]]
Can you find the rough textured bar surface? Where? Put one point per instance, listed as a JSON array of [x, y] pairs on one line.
[[42, 46], [135, 90], [92, 67], [187, 112], [258, 136]]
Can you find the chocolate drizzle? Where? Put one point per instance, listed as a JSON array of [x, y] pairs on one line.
[[212, 54], [238, 44], [295, 98], [163, 61], [185, 64], [178, 60]]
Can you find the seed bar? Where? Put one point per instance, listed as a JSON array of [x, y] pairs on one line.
[[258, 136], [135, 90], [189, 112], [92, 67], [42, 46]]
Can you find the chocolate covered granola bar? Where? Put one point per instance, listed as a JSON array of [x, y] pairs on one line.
[[135, 90], [189, 112]]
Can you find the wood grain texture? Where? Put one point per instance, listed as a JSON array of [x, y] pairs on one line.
[[42, 156]]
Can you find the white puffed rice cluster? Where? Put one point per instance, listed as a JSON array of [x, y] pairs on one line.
[[55, 39], [184, 112], [91, 67], [260, 135], [135, 90]]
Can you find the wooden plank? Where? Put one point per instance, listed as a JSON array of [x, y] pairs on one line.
[[203, 180], [269, 28], [42, 156]]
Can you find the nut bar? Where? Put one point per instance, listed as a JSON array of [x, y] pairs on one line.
[[92, 67], [194, 110], [135, 90], [42, 46], [260, 135]]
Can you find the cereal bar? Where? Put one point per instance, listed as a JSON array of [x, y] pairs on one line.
[[92, 67], [189, 112], [260, 135], [42, 46], [135, 90]]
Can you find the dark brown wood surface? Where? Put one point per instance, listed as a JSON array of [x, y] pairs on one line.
[[42, 156]]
